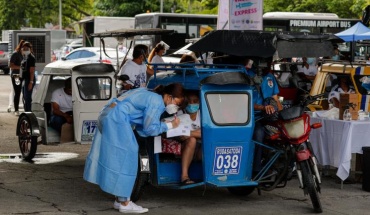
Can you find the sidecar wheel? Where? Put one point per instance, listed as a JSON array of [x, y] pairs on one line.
[[241, 191], [27, 142], [140, 184]]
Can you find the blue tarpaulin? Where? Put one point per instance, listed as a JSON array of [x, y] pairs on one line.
[[354, 33]]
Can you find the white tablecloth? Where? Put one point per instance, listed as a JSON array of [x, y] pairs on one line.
[[336, 140]]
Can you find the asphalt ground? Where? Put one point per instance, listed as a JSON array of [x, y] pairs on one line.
[[56, 186]]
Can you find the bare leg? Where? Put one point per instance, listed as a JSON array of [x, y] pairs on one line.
[[187, 156]]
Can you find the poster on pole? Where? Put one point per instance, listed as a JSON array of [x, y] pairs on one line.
[[223, 15], [240, 15]]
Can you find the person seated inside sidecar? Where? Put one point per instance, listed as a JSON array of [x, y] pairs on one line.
[[344, 86], [61, 103], [190, 145], [308, 69]]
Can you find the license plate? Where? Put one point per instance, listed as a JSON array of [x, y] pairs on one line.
[[227, 160], [88, 129]]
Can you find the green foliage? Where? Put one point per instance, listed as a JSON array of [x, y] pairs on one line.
[[343, 8], [36, 13]]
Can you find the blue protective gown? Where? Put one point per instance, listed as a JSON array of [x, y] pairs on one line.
[[112, 162]]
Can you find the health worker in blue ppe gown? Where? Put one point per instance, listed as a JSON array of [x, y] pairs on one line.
[[112, 162], [265, 88]]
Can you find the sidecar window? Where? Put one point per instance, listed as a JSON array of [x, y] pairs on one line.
[[362, 83], [229, 108], [94, 88]]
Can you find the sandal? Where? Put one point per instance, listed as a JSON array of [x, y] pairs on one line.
[[187, 181]]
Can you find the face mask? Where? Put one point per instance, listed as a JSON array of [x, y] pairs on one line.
[[26, 52], [172, 108], [335, 57], [310, 60], [192, 108]]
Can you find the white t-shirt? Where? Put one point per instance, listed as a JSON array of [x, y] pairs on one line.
[[62, 99], [335, 93], [137, 73], [157, 59], [311, 71], [195, 124]]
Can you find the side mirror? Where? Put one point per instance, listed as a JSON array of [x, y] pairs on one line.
[[124, 77], [63, 58]]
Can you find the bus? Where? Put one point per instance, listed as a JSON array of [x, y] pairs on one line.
[[306, 22], [188, 26]]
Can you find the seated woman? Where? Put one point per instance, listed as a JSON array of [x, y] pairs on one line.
[[189, 143], [343, 86]]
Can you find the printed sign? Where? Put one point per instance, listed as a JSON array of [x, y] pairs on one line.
[[227, 160], [240, 15], [88, 129]]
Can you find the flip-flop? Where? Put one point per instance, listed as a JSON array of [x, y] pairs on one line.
[[187, 181]]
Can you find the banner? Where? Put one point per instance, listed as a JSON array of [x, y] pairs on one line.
[[240, 15], [223, 15]]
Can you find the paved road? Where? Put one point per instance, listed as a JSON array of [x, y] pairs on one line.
[[58, 188]]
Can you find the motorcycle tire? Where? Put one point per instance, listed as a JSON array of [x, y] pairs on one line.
[[241, 191], [140, 184], [309, 184]]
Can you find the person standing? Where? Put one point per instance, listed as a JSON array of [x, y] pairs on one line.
[[156, 54], [136, 69], [15, 74], [28, 68], [112, 162]]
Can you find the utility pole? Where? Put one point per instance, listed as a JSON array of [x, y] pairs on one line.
[[161, 6], [60, 14]]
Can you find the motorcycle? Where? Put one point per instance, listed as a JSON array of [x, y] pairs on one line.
[[289, 133]]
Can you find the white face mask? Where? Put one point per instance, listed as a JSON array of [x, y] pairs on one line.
[[172, 108], [26, 52]]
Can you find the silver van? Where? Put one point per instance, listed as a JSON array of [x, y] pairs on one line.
[[4, 57]]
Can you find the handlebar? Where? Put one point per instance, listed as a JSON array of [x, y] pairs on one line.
[[310, 99]]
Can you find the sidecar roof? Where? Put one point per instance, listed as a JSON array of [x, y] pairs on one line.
[[66, 68]]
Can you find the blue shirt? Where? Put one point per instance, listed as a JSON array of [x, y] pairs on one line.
[[269, 88]]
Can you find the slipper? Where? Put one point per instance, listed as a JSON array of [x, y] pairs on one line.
[[187, 182]]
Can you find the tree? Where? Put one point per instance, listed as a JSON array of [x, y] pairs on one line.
[[130, 8], [36, 13], [343, 8]]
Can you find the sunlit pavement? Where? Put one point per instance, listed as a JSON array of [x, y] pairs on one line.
[[53, 184]]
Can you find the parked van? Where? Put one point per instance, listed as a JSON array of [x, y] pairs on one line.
[[4, 57]]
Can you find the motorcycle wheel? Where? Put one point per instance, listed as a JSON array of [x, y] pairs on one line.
[[27, 142], [140, 184], [310, 186], [241, 191]]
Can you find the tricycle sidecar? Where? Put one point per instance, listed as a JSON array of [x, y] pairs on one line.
[[91, 89], [227, 127]]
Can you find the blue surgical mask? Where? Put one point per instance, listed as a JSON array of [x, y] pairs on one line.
[[192, 108], [335, 57], [310, 60]]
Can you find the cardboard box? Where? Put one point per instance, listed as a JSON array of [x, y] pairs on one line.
[[345, 99], [67, 133]]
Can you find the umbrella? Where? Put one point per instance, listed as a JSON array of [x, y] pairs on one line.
[[238, 43], [264, 44], [354, 33], [364, 36], [298, 44]]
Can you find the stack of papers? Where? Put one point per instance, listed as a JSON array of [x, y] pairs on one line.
[[183, 129]]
